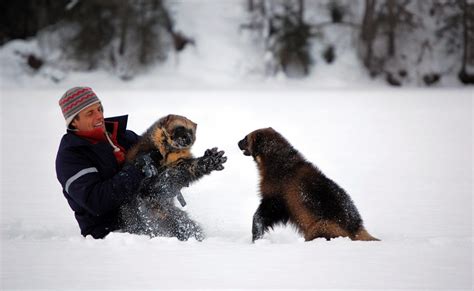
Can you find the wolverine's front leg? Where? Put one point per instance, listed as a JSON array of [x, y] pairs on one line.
[[258, 225], [270, 212], [212, 160], [190, 170], [170, 179]]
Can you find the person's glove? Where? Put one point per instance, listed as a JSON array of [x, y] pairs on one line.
[[147, 164], [165, 183], [157, 182]]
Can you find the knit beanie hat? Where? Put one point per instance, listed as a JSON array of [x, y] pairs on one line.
[[76, 99]]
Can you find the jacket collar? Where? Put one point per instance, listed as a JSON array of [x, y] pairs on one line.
[[120, 122]]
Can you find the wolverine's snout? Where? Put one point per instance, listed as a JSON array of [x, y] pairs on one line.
[[243, 145], [183, 137]]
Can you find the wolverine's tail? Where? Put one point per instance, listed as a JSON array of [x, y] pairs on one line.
[[363, 235]]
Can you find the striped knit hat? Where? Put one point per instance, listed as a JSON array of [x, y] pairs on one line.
[[76, 99]]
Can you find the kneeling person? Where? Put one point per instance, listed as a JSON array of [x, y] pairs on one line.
[[90, 163]]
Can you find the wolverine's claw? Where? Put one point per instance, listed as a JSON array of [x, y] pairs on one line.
[[210, 152], [212, 160]]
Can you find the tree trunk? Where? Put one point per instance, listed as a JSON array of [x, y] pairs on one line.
[[263, 9], [144, 47], [300, 11], [392, 23], [465, 34], [468, 34], [123, 29], [368, 31], [250, 5]]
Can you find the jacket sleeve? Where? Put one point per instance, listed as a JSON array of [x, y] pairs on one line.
[[86, 187], [130, 138]]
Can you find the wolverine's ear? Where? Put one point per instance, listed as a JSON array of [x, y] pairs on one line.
[[163, 121], [167, 119]]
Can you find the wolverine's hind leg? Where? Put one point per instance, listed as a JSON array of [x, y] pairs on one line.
[[324, 229], [363, 235], [178, 224]]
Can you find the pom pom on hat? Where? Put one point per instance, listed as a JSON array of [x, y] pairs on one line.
[[75, 100]]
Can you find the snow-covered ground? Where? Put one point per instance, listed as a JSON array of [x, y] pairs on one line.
[[404, 155]]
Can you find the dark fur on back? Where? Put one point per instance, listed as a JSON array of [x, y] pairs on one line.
[[295, 190]]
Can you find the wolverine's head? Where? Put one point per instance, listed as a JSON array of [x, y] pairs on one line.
[[268, 147], [175, 132], [261, 141]]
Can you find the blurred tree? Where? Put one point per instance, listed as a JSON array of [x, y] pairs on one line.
[[334, 27], [383, 22], [286, 35], [337, 11], [96, 26], [397, 39], [368, 32], [20, 19], [467, 76], [123, 35], [291, 39], [466, 19], [457, 31]]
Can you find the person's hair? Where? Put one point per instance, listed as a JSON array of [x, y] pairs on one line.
[[70, 124]]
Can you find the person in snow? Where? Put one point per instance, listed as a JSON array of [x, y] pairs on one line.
[[90, 164]]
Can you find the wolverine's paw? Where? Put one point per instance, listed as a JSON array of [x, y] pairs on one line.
[[211, 161]]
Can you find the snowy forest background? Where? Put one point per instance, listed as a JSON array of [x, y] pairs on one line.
[[376, 93], [404, 42]]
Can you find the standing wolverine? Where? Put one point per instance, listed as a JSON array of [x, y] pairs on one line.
[[168, 143], [294, 190]]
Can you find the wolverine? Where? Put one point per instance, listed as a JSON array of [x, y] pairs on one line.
[[167, 143], [294, 190], [172, 135]]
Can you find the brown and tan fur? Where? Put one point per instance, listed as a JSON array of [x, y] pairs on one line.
[[160, 137], [294, 190]]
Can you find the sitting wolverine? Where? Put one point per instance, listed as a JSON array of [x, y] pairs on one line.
[[167, 143], [294, 190]]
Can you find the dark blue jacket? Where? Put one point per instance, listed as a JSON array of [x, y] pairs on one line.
[[93, 183]]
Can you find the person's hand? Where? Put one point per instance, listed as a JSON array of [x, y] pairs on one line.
[[157, 188], [211, 161]]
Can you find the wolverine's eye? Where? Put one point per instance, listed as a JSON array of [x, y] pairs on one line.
[[179, 131], [178, 128]]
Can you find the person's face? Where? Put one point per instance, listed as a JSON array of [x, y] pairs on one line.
[[90, 118]]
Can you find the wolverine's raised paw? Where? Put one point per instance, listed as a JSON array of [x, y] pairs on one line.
[[212, 161]]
